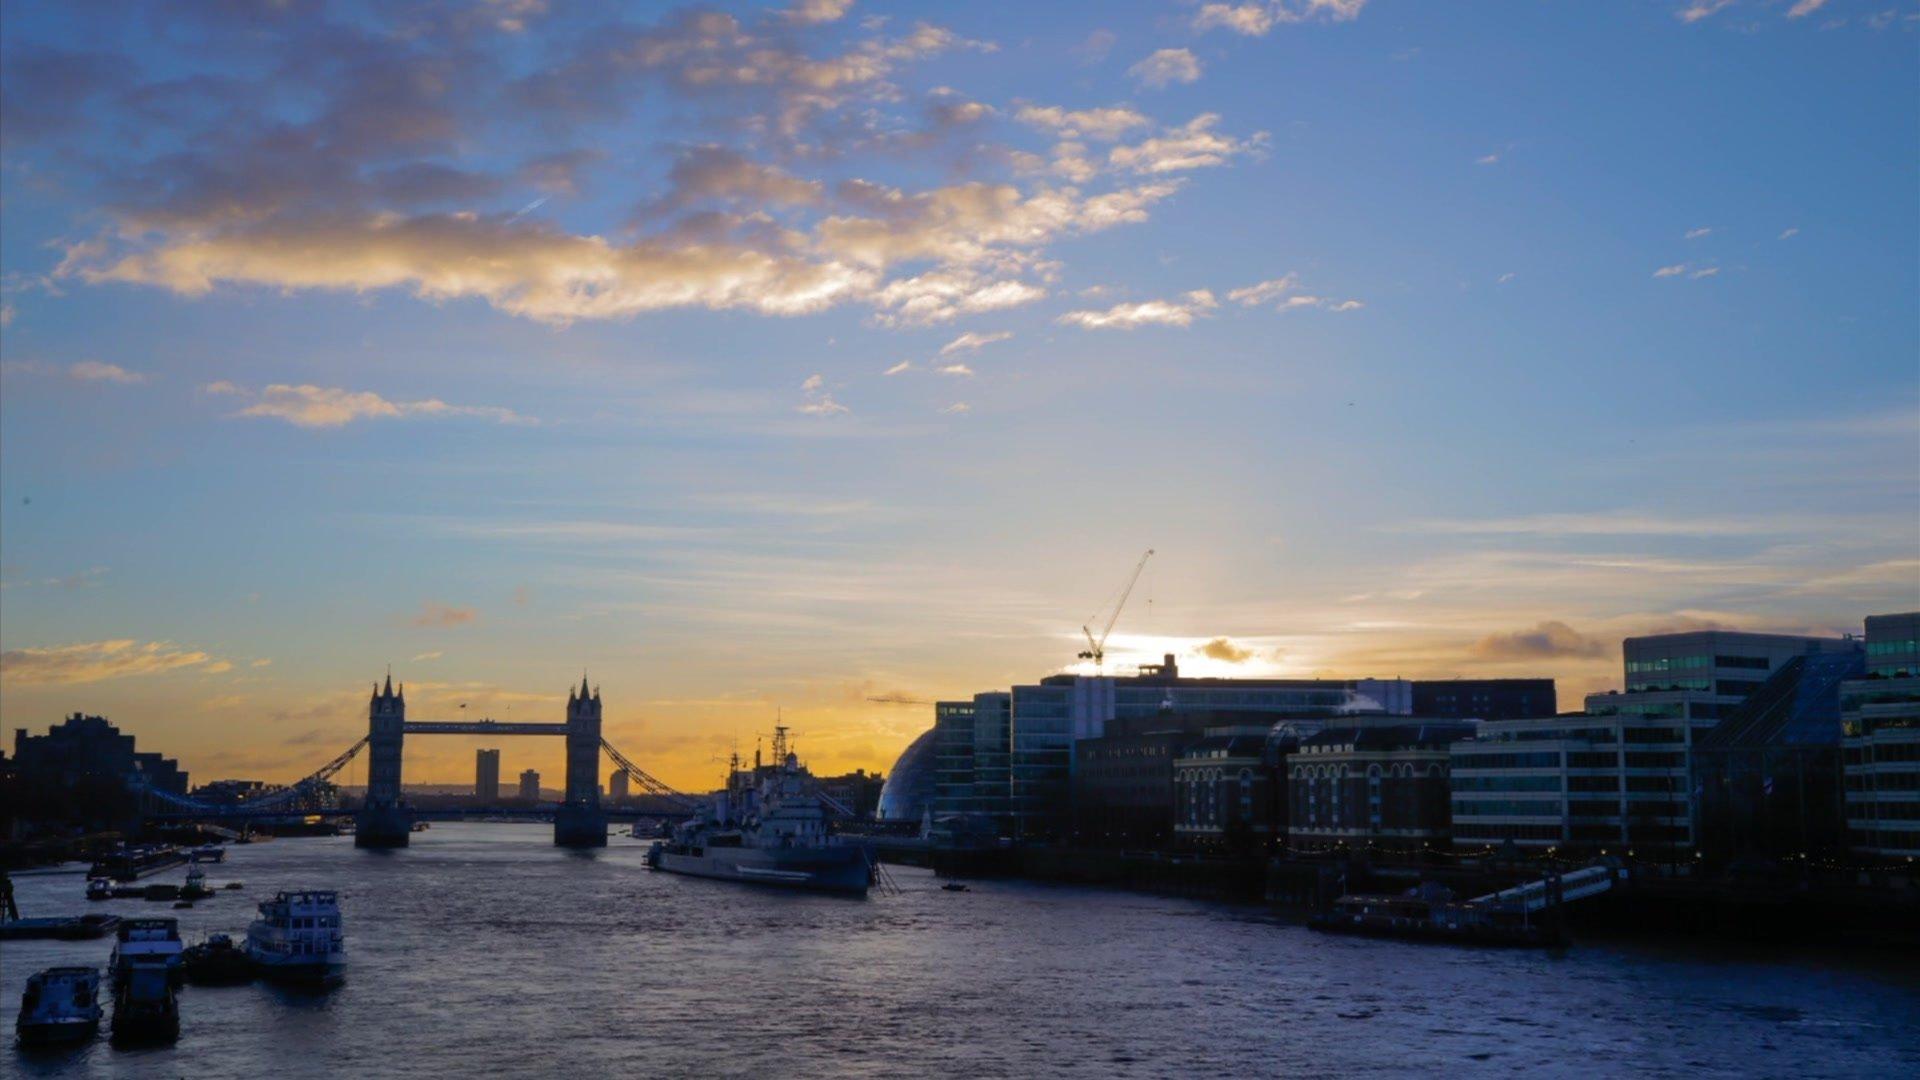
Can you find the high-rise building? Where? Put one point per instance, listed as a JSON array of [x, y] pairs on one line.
[[617, 785], [486, 776], [83, 747], [1619, 774], [530, 785], [1880, 724]]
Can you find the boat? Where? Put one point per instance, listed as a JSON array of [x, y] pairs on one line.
[[209, 853], [99, 889], [954, 886], [217, 961], [130, 863], [235, 885], [1429, 914], [298, 937], [196, 886], [768, 827], [60, 927], [146, 944], [160, 891], [145, 1009], [60, 1005]]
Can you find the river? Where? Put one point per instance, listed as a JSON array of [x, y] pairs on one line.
[[484, 951]]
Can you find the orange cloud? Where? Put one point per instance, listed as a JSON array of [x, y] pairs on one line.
[[93, 661]]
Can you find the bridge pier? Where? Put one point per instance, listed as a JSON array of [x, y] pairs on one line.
[[384, 820], [580, 820]]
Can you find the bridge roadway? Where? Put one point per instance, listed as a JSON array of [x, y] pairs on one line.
[[479, 727]]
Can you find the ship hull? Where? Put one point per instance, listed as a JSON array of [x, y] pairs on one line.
[[833, 870]]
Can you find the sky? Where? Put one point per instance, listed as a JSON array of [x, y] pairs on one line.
[[762, 361]]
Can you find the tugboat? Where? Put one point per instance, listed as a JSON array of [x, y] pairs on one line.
[[196, 886], [61, 1005], [144, 1008], [767, 828], [217, 961], [298, 937], [99, 889], [146, 944]]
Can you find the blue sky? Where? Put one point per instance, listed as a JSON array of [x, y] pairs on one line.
[[499, 340]]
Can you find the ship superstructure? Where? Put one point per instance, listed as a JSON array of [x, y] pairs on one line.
[[768, 826]]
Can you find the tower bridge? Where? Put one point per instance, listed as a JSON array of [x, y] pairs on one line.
[[385, 818]]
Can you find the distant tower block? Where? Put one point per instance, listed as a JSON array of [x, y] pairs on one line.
[[384, 820], [580, 821]]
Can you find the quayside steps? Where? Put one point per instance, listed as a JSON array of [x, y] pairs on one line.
[[1536, 895]]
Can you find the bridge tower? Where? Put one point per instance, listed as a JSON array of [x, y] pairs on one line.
[[580, 820], [384, 820]]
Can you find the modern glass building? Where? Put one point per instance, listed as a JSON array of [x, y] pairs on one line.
[[1880, 724], [908, 792], [1619, 774]]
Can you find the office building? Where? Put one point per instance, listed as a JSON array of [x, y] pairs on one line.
[[855, 794], [617, 785], [1618, 774], [1484, 699], [486, 776], [1880, 741], [1375, 781], [530, 785], [973, 743], [1050, 717]]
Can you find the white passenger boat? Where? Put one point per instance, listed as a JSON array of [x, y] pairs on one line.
[[298, 937]]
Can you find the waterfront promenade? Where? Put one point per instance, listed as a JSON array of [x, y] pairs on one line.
[[598, 967]]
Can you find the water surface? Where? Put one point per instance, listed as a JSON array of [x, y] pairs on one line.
[[483, 951]]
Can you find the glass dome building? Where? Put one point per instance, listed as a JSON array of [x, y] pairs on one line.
[[907, 794]]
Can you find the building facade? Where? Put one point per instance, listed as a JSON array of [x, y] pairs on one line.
[[1050, 718], [486, 776], [1484, 699], [617, 785], [83, 748], [530, 785], [1880, 741], [1230, 786], [1679, 685], [1375, 781]]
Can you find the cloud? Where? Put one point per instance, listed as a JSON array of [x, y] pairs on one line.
[[1096, 47], [1487, 159], [1548, 639], [1671, 271], [813, 382], [1222, 648], [716, 173], [434, 613], [961, 370], [824, 405], [1787, 234], [1503, 279], [1194, 145], [1279, 293], [972, 341], [1255, 19], [957, 408], [1802, 8], [99, 371], [1167, 66], [939, 296], [1695, 234], [1697, 10], [436, 654], [1704, 272], [88, 371], [95, 661], [817, 11], [311, 406], [896, 369], [1106, 124], [1600, 523], [1131, 316]]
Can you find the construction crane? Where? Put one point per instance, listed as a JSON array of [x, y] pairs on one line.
[[1096, 650]]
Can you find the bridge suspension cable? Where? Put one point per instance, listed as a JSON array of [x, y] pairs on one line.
[[647, 783], [297, 790]]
